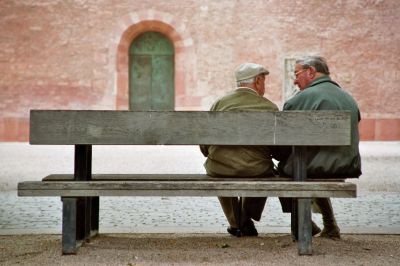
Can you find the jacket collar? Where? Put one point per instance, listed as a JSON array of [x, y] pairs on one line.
[[247, 89], [322, 79]]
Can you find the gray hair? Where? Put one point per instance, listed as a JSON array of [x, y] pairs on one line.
[[246, 81], [318, 62]]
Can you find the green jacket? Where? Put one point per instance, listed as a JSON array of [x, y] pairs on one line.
[[241, 161], [345, 161]]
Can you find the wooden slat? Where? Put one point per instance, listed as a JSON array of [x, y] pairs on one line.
[[187, 188], [177, 177], [312, 128], [187, 193], [200, 185], [190, 128]]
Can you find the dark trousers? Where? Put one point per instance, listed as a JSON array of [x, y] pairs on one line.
[[237, 216]]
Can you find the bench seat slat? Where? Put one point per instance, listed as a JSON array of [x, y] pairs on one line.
[[187, 188], [177, 177], [187, 193]]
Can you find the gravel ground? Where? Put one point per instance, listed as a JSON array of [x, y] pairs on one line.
[[200, 249]]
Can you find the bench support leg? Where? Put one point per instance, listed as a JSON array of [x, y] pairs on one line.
[[304, 227], [80, 214], [83, 212], [69, 230], [83, 171], [294, 220], [301, 208], [94, 216]]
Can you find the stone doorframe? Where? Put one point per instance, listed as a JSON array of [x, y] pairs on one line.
[[132, 25]]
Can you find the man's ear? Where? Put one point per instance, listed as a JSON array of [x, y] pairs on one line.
[[258, 79], [313, 72]]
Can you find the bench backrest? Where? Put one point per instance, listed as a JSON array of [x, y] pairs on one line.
[[61, 127]]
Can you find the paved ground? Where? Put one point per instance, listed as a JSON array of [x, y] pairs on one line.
[[200, 249], [375, 210]]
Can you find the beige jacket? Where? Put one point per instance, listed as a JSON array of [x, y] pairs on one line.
[[240, 161]]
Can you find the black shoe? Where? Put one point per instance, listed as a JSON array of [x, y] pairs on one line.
[[315, 230], [234, 231], [249, 229]]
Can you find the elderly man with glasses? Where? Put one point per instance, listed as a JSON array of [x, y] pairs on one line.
[[319, 92]]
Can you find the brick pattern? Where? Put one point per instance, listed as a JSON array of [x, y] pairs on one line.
[[380, 129], [14, 129], [150, 20], [73, 54]]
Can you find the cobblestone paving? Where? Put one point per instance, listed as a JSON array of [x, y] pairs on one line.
[[375, 210], [370, 212]]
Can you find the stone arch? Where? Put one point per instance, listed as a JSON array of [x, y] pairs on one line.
[[137, 23]]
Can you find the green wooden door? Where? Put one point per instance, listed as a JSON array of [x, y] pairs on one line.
[[151, 73]]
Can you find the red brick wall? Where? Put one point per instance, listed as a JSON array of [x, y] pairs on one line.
[[380, 129], [73, 54]]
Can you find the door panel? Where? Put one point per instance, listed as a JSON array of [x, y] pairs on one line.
[[140, 88], [162, 84], [151, 84]]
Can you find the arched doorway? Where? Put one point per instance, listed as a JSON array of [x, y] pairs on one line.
[[151, 73]]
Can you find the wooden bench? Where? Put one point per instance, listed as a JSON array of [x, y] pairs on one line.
[[81, 190]]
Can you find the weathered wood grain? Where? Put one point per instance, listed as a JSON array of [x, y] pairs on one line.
[[187, 188], [177, 177], [86, 128], [304, 227], [189, 128]]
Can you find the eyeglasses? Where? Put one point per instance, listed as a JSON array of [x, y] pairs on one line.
[[296, 74]]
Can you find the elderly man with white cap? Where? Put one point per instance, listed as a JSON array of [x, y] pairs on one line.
[[242, 161]]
